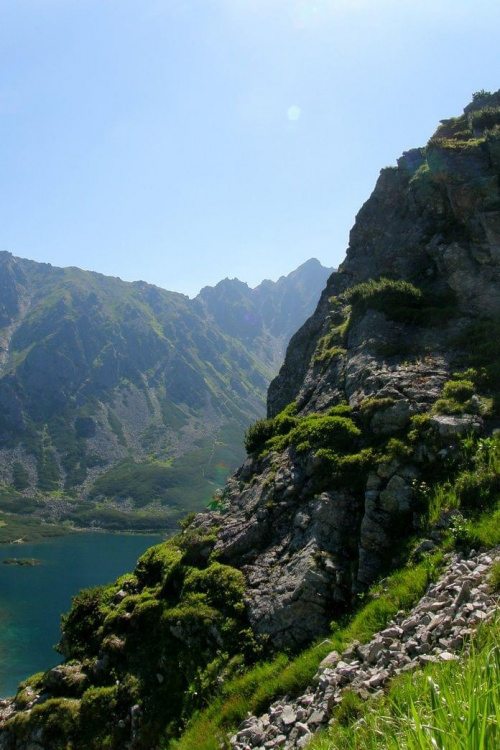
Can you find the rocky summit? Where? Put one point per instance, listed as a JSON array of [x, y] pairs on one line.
[[380, 448]]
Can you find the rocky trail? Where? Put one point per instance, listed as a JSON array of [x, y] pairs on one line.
[[436, 629]]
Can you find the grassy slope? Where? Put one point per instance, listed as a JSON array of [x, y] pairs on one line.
[[83, 327]]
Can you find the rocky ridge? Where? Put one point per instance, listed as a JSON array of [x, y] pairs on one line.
[[416, 299], [437, 629]]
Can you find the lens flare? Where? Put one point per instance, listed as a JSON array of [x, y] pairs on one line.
[[293, 113]]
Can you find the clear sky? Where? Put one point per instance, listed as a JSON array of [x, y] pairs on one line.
[[183, 141]]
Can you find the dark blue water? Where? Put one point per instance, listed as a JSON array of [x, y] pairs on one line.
[[33, 598]]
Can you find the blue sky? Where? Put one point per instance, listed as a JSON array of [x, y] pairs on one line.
[[183, 141]]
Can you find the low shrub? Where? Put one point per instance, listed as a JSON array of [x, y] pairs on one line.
[[263, 430], [258, 434], [99, 706], [397, 450], [222, 584], [462, 532], [81, 625], [460, 390], [487, 117], [456, 398], [399, 300], [369, 406], [334, 430], [159, 563], [343, 472], [476, 490], [316, 431], [59, 718]]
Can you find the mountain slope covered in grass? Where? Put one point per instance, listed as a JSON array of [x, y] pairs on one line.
[[126, 396]]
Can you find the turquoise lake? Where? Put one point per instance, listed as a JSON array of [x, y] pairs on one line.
[[32, 599]]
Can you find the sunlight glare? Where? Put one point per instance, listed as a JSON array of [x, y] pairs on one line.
[[293, 113]]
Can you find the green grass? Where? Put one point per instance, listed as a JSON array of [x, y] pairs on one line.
[[475, 489], [14, 527], [452, 706], [495, 577], [486, 530]]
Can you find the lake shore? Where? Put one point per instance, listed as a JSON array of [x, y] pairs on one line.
[[20, 529], [34, 597]]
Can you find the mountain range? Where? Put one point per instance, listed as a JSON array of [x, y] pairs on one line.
[[129, 399]]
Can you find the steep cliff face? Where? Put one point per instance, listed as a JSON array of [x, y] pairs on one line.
[[378, 388], [415, 303]]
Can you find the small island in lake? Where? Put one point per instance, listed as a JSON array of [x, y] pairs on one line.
[[29, 561]]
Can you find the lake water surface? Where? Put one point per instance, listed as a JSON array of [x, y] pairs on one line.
[[33, 598]]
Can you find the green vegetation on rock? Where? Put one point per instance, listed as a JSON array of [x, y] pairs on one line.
[[193, 613], [399, 300]]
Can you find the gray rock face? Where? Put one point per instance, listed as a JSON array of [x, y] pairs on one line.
[[291, 548], [307, 546]]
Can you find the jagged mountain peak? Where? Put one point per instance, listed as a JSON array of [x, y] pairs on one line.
[[270, 311]]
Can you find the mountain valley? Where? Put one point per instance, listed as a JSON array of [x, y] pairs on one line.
[[123, 405]]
